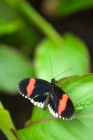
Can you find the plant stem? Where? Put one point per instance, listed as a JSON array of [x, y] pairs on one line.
[[45, 26]]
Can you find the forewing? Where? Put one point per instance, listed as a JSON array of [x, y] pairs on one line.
[[36, 90], [60, 104]]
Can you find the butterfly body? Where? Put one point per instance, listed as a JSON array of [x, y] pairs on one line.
[[44, 94]]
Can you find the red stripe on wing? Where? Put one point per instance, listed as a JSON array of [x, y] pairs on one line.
[[62, 103], [30, 87]]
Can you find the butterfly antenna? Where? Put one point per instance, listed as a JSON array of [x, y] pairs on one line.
[[51, 66], [64, 72]]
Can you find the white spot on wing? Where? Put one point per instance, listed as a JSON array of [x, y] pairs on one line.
[[52, 111], [56, 114], [40, 104]]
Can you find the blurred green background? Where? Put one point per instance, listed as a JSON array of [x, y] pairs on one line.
[[30, 32]]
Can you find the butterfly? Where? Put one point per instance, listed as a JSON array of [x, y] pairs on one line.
[[44, 94]]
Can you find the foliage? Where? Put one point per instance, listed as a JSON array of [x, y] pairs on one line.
[[19, 43]]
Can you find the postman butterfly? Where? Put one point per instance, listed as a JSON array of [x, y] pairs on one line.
[[46, 94]]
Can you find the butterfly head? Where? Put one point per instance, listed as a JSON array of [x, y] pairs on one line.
[[53, 81]]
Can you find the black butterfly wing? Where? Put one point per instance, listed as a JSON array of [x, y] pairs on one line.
[[60, 105], [36, 90], [41, 93]]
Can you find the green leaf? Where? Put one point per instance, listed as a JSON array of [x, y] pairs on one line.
[[80, 89], [13, 2], [14, 67], [76, 54], [9, 20], [68, 7], [28, 37], [43, 126], [6, 123], [71, 54]]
